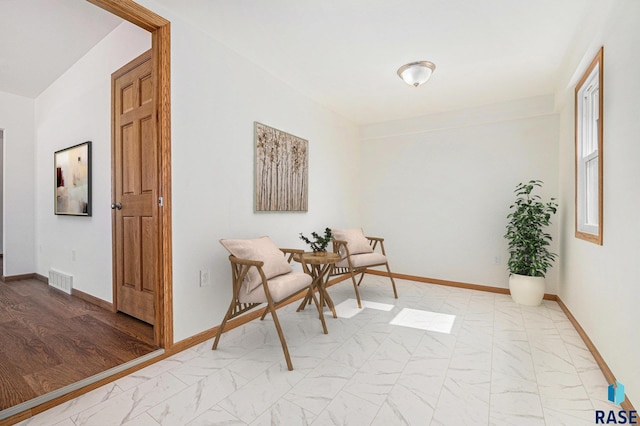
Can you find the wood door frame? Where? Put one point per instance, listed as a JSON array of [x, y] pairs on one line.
[[160, 47]]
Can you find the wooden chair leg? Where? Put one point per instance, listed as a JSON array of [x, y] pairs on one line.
[[393, 283], [320, 306], [222, 324], [264, 314], [355, 287], [281, 335]]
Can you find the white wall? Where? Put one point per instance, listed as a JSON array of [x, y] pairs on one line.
[[599, 284], [1, 191], [438, 188], [216, 96], [74, 109], [17, 121]]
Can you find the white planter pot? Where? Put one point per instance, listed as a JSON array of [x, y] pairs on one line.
[[526, 290]]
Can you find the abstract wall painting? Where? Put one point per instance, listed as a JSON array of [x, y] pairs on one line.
[[72, 179], [282, 170]]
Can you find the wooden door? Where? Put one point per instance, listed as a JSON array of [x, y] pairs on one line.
[[135, 189]]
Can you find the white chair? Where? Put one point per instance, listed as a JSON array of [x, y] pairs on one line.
[[261, 273], [357, 253]]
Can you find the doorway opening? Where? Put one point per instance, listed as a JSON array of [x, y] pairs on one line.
[[161, 61], [163, 329]]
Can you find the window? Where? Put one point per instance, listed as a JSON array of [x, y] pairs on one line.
[[588, 120]]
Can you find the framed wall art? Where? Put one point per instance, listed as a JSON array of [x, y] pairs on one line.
[[72, 180], [282, 170]]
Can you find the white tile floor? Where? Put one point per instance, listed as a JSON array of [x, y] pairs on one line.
[[501, 364]]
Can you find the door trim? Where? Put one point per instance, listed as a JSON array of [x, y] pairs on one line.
[[161, 57]]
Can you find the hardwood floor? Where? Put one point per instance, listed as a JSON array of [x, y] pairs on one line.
[[49, 339]]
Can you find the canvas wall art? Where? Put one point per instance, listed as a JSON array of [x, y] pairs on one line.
[[282, 170], [72, 168]]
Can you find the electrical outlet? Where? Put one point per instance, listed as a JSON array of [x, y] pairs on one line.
[[497, 260], [73, 255], [204, 278]]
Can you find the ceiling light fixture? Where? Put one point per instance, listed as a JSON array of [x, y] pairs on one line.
[[416, 73]]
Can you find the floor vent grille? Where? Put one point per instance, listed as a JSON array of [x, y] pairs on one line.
[[61, 281]]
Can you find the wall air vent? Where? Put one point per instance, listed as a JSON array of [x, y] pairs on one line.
[[61, 280]]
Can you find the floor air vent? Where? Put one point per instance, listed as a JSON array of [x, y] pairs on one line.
[[61, 281]]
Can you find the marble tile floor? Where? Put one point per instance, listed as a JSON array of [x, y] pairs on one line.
[[501, 364]]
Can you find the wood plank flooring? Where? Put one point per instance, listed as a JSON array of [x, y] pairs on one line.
[[49, 339]]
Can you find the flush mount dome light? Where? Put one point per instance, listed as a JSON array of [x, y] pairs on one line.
[[416, 73]]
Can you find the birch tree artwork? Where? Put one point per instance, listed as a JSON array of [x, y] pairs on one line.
[[282, 170]]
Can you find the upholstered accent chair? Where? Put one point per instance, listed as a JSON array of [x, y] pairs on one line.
[[261, 273], [357, 254]]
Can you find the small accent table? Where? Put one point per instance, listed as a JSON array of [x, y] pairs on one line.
[[318, 266]]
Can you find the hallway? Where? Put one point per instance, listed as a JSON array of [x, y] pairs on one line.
[[50, 339]]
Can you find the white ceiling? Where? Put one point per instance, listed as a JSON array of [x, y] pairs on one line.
[[345, 53], [342, 53], [41, 39]]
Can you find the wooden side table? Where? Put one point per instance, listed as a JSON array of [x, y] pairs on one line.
[[318, 266]]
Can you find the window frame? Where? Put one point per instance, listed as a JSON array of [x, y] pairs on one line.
[[588, 125]]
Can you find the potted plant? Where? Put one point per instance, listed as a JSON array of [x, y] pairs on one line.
[[319, 243], [529, 257]]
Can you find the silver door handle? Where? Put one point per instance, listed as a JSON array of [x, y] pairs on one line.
[[117, 206]]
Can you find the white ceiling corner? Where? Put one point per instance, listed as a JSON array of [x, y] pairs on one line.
[[41, 39]]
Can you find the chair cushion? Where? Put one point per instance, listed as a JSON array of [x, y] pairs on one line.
[[356, 241], [280, 288], [262, 249], [363, 260]]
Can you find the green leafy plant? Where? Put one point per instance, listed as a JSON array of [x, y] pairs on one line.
[[319, 243], [528, 241]]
